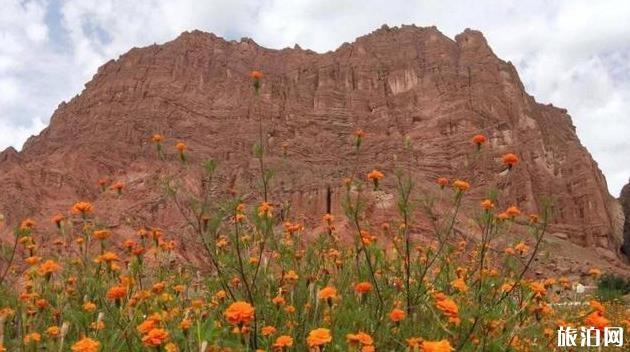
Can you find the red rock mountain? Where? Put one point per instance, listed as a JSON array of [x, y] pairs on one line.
[[395, 83]]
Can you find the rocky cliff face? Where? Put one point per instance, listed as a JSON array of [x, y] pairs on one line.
[[395, 83]]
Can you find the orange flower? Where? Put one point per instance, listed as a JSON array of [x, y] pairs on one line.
[[538, 289], [290, 276], [256, 75], [48, 267], [180, 147], [459, 284], [118, 186], [82, 208], [510, 160], [503, 216], [487, 204], [513, 211], [155, 337], [157, 138], [89, 306], [283, 341], [327, 293], [358, 134], [318, 337], [521, 247], [359, 337], [239, 313], [597, 306], [107, 257], [101, 234], [265, 210], [448, 307], [363, 287], [479, 139], [375, 176], [86, 344], [116, 292], [442, 181], [146, 326], [57, 219], [597, 320], [27, 224], [33, 337], [437, 346], [53, 331], [268, 330], [462, 186], [397, 315]]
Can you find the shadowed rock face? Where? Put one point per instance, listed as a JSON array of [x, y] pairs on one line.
[[624, 198], [395, 83]]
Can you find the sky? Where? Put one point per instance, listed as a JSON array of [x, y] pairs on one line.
[[574, 53]]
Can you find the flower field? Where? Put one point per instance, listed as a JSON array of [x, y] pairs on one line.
[[265, 285]]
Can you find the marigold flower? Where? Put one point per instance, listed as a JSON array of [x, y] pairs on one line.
[[459, 284], [397, 315], [48, 267], [256, 76], [57, 219], [359, 338], [437, 346], [597, 320], [27, 224], [327, 293], [510, 160], [106, 257], [375, 176], [503, 216], [268, 330], [86, 344], [146, 326], [118, 186], [318, 337], [487, 204], [460, 185], [448, 307], [116, 292], [538, 288], [290, 276], [155, 337], [157, 138], [82, 208], [33, 337], [278, 300], [442, 182], [513, 211], [89, 306], [597, 306], [479, 139], [101, 234], [283, 341], [180, 146], [239, 313], [265, 210], [363, 287], [53, 331], [521, 247], [358, 134]]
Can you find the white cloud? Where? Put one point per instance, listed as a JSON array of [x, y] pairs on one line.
[[573, 53]]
